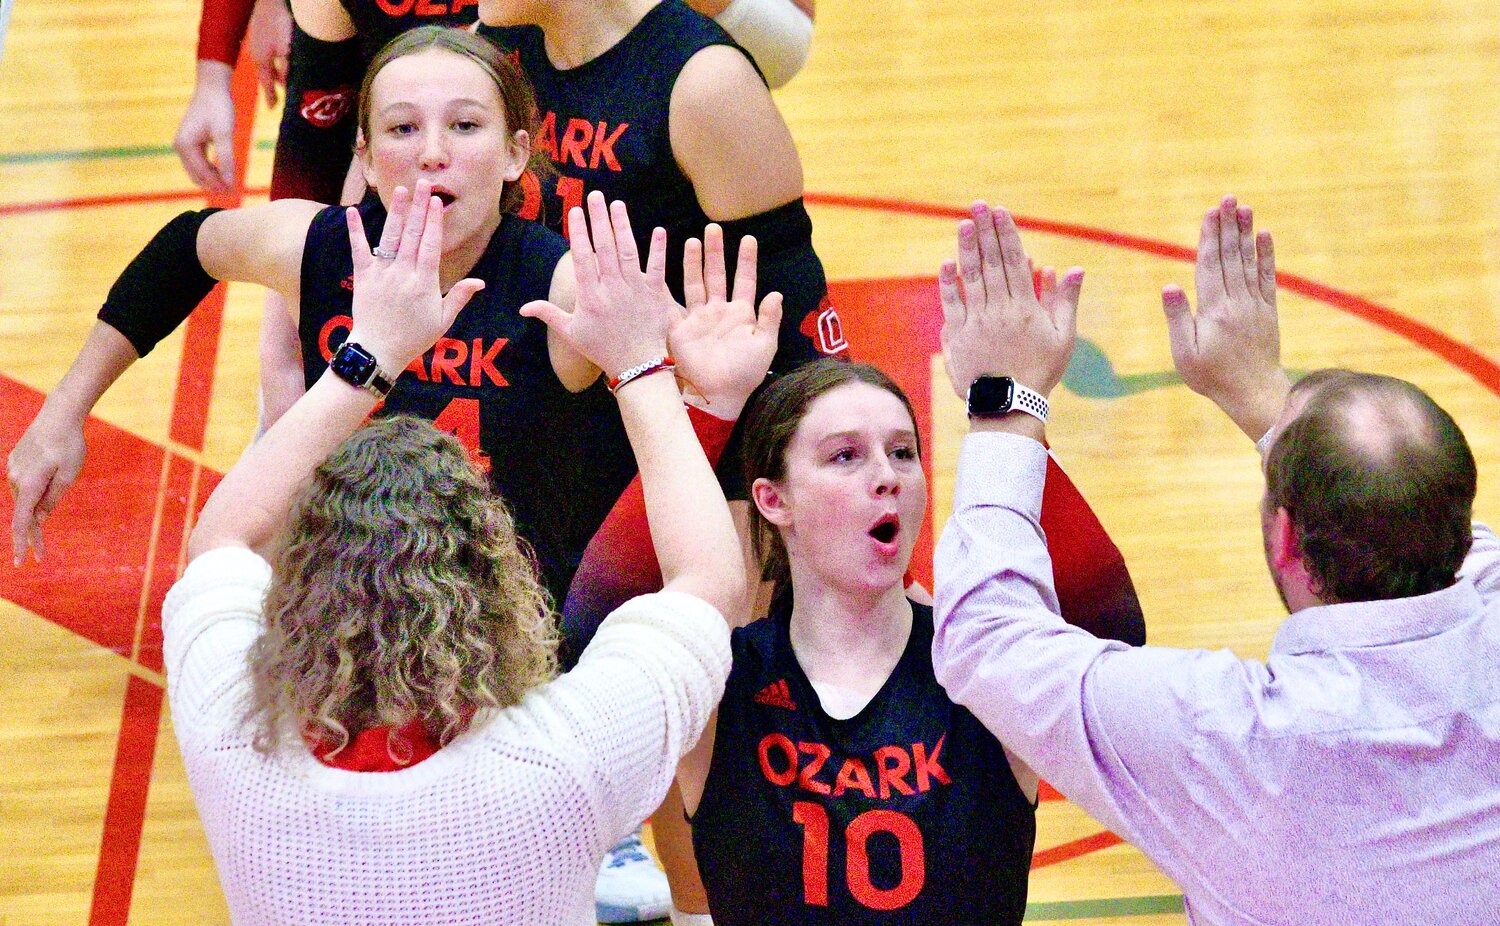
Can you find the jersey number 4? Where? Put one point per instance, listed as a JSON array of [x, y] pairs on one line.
[[813, 819], [460, 418]]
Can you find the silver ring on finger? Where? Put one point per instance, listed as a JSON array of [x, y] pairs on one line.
[[383, 253]]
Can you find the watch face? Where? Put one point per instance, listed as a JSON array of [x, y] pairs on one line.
[[353, 364], [991, 395]]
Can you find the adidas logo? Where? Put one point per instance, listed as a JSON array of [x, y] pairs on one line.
[[776, 694]]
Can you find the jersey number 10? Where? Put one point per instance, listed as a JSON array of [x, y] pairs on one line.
[[813, 819]]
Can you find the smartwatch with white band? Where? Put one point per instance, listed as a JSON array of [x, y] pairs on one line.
[[993, 396]]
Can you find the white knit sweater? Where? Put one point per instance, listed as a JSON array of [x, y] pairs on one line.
[[506, 824]]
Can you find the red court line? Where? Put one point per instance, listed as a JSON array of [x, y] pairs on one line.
[[1484, 370], [114, 880], [125, 812], [1074, 849]]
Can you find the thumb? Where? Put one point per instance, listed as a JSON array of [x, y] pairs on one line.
[[769, 320], [550, 315], [459, 296], [1065, 304], [1182, 331]]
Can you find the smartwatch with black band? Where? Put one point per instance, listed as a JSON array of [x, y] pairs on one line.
[[358, 367], [993, 396]]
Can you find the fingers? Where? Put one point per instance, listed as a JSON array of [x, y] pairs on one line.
[[267, 74], [989, 247], [968, 263], [1230, 259], [549, 314], [192, 151], [1245, 220], [390, 235], [414, 220], [1182, 331], [25, 522], [585, 263], [1013, 256], [744, 271], [953, 301], [1266, 267], [459, 296], [1207, 269], [223, 171], [692, 273], [359, 247], [606, 257], [768, 322], [430, 244], [715, 274], [656, 261], [630, 258]]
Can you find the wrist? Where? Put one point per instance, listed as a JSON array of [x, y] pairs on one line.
[[212, 75], [1256, 411], [1018, 423]]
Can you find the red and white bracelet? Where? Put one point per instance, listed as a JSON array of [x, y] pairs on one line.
[[639, 370]]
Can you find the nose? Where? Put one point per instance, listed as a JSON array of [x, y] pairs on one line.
[[886, 480], [434, 149]]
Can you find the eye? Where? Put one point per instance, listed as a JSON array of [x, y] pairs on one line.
[[904, 453], [842, 455], [466, 125], [402, 128]]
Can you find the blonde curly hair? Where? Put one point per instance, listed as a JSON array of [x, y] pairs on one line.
[[400, 592]]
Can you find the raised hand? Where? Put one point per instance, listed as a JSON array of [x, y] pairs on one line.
[[621, 314], [995, 322], [1229, 351], [722, 348], [399, 309]]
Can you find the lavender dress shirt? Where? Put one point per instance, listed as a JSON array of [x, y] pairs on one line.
[[1353, 778]]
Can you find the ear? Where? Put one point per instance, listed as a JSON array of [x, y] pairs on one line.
[[770, 502], [1286, 551], [362, 155], [520, 153]]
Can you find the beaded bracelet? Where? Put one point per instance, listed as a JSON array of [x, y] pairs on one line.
[[639, 370]]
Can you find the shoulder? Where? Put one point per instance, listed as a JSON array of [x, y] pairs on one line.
[[715, 78]]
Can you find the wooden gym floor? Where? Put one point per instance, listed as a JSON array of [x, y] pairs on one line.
[[1364, 134]]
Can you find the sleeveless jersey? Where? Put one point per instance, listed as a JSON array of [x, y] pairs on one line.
[[379, 21], [559, 459], [604, 123], [906, 813]]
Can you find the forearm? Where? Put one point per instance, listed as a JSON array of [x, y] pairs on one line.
[[104, 357], [999, 647], [212, 75], [252, 501], [691, 528]]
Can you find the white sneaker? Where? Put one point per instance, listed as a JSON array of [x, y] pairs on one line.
[[631, 888]]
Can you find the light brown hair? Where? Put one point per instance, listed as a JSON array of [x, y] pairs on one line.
[[400, 592]]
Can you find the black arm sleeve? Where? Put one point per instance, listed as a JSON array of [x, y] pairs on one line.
[[810, 327], [162, 286]]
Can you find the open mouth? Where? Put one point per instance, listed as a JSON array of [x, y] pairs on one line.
[[446, 197], [886, 528]]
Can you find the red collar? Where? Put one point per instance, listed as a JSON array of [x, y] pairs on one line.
[[369, 750]]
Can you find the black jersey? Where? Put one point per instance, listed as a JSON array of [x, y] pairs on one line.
[[906, 813], [559, 459], [379, 21], [604, 123], [605, 126]]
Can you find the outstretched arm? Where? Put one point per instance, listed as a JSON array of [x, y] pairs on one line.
[[621, 322], [398, 313], [154, 295]]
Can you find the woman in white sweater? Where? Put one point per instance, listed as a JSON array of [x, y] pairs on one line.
[[397, 624]]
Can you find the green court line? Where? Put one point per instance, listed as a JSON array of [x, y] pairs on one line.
[[98, 154], [1043, 912]]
